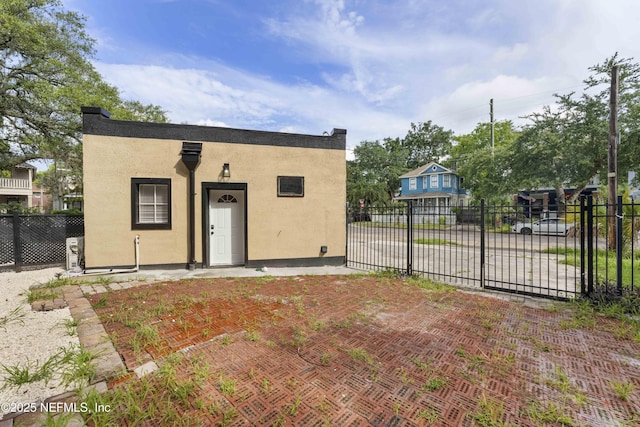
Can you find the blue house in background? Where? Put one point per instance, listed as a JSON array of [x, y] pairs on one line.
[[434, 190]]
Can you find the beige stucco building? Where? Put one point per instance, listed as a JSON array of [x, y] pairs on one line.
[[206, 196]]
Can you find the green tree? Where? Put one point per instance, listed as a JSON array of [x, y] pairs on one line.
[[561, 148], [426, 142], [45, 77], [486, 171], [566, 146], [628, 109], [374, 173]]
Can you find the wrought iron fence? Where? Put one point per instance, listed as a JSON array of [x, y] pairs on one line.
[[559, 254], [612, 241], [36, 240]]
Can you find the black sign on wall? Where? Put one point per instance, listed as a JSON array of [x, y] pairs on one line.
[[290, 186]]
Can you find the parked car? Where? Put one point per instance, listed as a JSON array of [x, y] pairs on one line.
[[543, 226]]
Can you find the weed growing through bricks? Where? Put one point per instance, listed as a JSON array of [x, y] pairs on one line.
[[227, 386], [252, 373], [622, 389], [184, 326], [147, 334], [504, 363], [325, 359], [292, 383], [226, 340], [280, 421], [373, 374], [396, 408], [431, 416], [200, 370], [316, 325], [228, 415], [252, 336], [104, 280], [435, 383], [561, 382], [101, 303], [265, 386], [544, 414], [490, 414], [403, 375], [476, 363], [292, 408], [419, 363], [162, 308], [359, 354], [344, 324]]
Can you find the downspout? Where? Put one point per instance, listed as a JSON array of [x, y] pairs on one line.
[[192, 219], [191, 159]]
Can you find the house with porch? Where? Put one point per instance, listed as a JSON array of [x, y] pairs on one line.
[[434, 190], [200, 197], [18, 186]]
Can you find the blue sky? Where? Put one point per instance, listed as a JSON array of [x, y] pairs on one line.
[[370, 66]]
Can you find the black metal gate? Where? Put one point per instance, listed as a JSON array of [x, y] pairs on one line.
[[498, 247]]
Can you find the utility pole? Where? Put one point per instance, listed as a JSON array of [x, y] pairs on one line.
[[492, 137], [612, 177]]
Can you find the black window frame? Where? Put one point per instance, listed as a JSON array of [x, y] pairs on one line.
[[289, 194], [135, 191]]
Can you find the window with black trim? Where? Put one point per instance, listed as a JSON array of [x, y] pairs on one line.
[[151, 203], [290, 186]]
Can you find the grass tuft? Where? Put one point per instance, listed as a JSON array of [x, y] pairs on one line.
[[15, 316], [622, 389]]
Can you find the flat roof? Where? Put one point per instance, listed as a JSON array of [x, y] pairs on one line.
[[97, 121]]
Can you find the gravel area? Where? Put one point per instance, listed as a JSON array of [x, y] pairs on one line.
[[32, 339]]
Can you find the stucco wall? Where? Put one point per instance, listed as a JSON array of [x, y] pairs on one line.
[[277, 227]]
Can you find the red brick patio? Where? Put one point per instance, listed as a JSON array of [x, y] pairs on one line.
[[361, 350]]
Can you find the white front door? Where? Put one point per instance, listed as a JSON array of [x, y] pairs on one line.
[[226, 227]]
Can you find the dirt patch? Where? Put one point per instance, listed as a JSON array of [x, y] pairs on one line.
[[360, 350]]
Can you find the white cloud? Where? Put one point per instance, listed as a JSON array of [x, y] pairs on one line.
[[512, 53], [221, 96], [212, 123], [381, 67], [468, 105]]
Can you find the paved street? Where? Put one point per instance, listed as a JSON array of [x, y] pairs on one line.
[[512, 261]]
